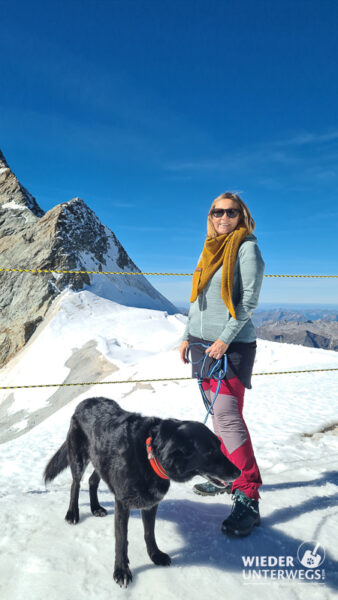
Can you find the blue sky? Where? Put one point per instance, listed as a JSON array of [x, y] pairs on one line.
[[148, 109]]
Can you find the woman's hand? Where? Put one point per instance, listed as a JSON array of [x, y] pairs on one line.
[[183, 351], [217, 349]]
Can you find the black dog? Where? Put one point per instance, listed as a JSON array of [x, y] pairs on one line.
[[136, 456]]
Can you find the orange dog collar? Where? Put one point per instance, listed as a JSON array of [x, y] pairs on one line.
[[157, 467]]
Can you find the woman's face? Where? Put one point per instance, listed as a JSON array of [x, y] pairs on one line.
[[225, 224]]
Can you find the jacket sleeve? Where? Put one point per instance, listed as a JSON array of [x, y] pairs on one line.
[[251, 270], [186, 332]]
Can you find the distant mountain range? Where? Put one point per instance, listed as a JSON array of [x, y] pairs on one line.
[[317, 328], [314, 327], [275, 314]]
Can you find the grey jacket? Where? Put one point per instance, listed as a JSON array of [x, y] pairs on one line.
[[210, 319]]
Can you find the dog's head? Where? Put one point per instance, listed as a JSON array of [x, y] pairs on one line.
[[188, 448]]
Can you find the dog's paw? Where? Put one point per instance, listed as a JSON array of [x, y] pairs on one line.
[[72, 517], [122, 576], [100, 512], [160, 558]]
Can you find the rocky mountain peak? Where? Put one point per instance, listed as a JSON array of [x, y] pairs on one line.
[[12, 194], [68, 237], [3, 162], [80, 232]]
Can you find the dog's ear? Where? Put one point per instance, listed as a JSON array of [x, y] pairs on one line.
[[167, 432], [172, 441], [175, 460], [169, 427]]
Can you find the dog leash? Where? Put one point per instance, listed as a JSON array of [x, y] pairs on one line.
[[217, 371]]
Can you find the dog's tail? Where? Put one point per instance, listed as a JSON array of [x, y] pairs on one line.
[[57, 463]]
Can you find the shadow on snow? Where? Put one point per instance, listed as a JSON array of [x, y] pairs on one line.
[[198, 523]]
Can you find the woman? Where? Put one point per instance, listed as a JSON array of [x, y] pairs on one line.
[[225, 291]]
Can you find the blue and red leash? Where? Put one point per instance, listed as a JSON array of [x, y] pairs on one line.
[[217, 371]]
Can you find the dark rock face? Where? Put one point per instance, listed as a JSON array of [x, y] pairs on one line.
[[67, 237]]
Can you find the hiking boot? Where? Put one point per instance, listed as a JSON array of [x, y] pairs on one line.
[[244, 515], [209, 489]]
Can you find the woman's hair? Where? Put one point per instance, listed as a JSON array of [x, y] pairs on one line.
[[245, 217]]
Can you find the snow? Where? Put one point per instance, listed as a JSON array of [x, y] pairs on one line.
[[129, 290], [13, 206], [88, 338], [4, 170]]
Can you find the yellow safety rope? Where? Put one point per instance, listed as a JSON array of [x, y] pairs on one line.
[[46, 385], [58, 271]]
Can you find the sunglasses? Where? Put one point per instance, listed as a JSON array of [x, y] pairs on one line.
[[230, 212]]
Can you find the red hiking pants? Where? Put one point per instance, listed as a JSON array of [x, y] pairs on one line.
[[230, 428]]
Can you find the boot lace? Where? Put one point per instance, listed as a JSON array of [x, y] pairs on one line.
[[241, 505]]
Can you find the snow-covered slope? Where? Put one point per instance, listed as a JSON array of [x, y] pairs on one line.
[[83, 338], [88, 338]]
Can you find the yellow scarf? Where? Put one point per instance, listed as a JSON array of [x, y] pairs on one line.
[[220, 250]]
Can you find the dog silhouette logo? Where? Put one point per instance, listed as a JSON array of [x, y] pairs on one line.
[[311, 554]]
